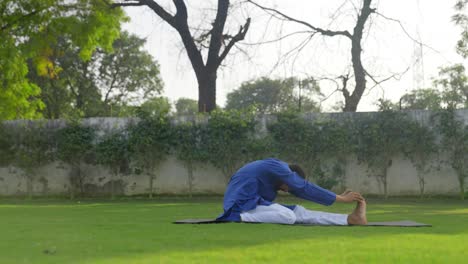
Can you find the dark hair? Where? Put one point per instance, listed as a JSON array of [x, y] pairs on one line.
[[297, 169]]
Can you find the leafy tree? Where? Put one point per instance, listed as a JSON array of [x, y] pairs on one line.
[[422, 99], [205, 51], [102, 86], [363, 15], [112, 152], [150, 142], [461, 19], [74, 145], [271, 96], [29, 28], [186, 106], [454, 84], [155, 108], [386, 105], [454, 143], [129, 73]]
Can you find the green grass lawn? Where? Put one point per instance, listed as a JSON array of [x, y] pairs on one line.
[[140, 231]]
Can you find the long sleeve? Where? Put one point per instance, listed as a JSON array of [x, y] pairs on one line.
[[310, 191], [300, 187]]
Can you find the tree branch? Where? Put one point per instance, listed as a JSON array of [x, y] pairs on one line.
[[406, 32], [114, 5], [5, 26], [238, 37], [377, 83], [278, 39], [158, 9], [325, 32]]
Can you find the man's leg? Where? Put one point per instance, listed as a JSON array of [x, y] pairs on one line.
[[357, 217], [274, 213]]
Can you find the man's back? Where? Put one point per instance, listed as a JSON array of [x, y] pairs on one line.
[[253, 184]]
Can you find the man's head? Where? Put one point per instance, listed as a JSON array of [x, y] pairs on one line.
[[297, 169]]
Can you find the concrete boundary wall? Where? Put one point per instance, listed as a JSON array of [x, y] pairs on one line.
[[52, 179]]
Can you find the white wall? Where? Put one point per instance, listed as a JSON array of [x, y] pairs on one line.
[[172, 175]]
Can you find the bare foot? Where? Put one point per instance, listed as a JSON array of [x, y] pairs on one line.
[[358, 216]]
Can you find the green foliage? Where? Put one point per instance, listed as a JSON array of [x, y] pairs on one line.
[[386, 105], [150, 141], [188, 142], [33, 148], [379, 138], [455, 143], [226, 139], [128, 74], [186, 106], [311, 144], [272, 96], [105, 85], [74, 146], [6, 147], [420, 147], [154, 108], [424, 99], [28, 29], [454, 83], [189, 147], [74, 142], [461, 19], [113, 152]]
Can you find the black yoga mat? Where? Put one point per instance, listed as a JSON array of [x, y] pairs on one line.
[[403, 223]]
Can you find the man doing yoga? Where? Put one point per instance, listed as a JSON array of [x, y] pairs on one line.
[[250, 193]]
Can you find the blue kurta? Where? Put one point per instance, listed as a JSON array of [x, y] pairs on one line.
[[257, 183]]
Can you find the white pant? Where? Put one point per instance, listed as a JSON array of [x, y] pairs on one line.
[[278, 214]]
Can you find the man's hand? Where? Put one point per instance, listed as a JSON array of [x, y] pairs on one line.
[[349, 197]]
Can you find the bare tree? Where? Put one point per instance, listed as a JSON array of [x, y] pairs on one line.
[[351, 98], [219, 43]]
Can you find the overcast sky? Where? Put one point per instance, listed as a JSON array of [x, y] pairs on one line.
[[387, 48]]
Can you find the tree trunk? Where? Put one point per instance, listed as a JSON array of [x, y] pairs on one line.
[[151, 183], [29, 186], [80, 180], [422, 183], [461, 181], [72, 188], [190, 177], [352, 101], [207, 90], [112, 187]]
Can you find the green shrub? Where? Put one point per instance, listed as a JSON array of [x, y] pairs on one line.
[[189, 148], [226, 137], [74, 146], [33, 147], [454, 142], [112, 152], [378, 139], [150, 141]]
